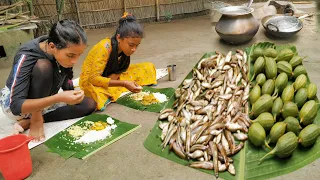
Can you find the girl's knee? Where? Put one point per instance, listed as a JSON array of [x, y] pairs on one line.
[[43, 68], [90, 105]]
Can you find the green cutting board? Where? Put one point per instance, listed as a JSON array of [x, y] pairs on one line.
[[62, 143], [246, 161], [127, 101]]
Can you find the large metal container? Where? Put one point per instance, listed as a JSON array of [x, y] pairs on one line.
[[237, 24]]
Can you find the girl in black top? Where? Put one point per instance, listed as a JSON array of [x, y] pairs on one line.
[[40, 68]]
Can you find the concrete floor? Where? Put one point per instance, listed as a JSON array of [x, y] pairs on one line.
[[181, 42]]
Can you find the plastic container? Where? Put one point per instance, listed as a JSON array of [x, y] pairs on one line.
[[15, 157]]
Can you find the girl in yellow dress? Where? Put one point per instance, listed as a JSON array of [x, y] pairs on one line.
[[107, 72]]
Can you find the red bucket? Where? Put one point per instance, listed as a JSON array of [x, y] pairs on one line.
[[15, 157]]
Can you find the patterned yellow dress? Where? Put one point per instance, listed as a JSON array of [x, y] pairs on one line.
[[95, 85]]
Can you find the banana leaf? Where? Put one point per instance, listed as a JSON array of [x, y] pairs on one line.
[[127, 101], [62, 143], [246, 162]]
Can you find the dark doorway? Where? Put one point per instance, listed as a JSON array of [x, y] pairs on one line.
[[2, 52]]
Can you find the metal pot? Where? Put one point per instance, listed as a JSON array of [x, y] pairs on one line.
[[237, 24], [282, 26]]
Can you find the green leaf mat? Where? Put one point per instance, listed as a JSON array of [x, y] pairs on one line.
[[246, 161], [127, 101], [62, 144]]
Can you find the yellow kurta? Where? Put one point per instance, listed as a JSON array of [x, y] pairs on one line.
[[95, 85]]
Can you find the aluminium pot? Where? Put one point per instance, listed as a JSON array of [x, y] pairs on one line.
[[237, 24]]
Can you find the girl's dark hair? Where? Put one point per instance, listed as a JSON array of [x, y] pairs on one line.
[[64, 32], [128, 27]]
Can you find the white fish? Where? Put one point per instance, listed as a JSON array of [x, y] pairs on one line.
[[217, 139], [187, 82], [222, 167], [245, 69], [171, 117], [231, 169], [202, 164], [199, 75], [239, 57], [177, 92], [228, 57], [217, 84], [244, 98], [206, 85], [163, 125], [226, 96], [228, 90], [224, 142], [164, 132], [215, 132], [196, 108], [196, 154], [218, 59], [244, 57], [240, 136], [212, 72], [183, 134], [205, 119], [200, 63], [246, 90], [238, 93], [226, 67], [233, 127], [238, 78], [232, 86], [222, 61], [201, 139], [233, 81], [244, 82], [186, 114]]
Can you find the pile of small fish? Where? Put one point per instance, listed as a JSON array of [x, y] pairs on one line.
[[209, 120]]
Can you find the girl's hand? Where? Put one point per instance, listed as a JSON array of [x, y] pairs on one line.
[[71, 97], [132, 86]]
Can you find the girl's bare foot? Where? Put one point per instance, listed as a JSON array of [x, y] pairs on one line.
[[17, 129], [36, 127], [24, 123], [20, 126]]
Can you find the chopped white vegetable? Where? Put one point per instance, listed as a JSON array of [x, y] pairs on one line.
[[113, 126], [110, 121], [77, 131]]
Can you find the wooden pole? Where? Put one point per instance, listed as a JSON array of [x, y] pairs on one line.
[[124, 6], [7, 8], [78, 13], [158, 10], [59, 7], [30, 5]]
